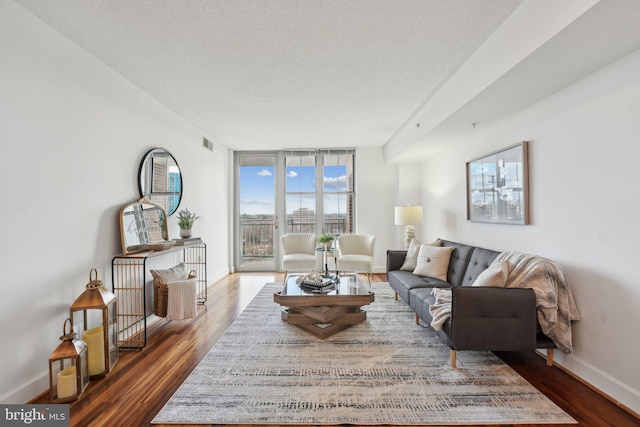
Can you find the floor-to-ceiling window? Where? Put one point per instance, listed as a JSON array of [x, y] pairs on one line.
[[256, 216], [338, 193], [290, 192], [301, 194]]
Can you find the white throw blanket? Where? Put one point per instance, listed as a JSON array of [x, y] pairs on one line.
[[181, 303], [556, 308], [440, 310]]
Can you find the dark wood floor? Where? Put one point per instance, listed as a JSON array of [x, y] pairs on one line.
[[143, 380]]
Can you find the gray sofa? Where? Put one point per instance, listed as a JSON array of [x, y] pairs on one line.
[[482, 318]]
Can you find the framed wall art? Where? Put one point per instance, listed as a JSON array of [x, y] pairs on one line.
[[497, 186]]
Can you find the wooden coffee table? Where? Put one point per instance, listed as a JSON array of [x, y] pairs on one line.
[[324, 314]]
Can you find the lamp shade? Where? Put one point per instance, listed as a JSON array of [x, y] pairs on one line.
[[408, 215]]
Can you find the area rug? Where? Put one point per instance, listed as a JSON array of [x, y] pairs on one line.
[[386, 370]]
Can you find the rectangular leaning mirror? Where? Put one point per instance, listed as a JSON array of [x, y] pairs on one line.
[[141, 223], [497, 186]]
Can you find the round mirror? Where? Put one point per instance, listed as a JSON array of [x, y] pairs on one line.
[[160, 179]]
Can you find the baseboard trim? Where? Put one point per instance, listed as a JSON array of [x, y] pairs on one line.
[[592, 387], [27, 391], [217, 276]]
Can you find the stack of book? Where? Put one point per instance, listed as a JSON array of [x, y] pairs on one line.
[[189, 241], [315, 285]]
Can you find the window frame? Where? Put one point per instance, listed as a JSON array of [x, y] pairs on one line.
[[320, 193]]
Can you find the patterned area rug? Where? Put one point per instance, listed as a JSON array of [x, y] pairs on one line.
[[387, 370]]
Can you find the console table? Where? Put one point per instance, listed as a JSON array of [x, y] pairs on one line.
[[130, 274]]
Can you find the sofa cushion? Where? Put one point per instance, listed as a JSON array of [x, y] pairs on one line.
[[420, 300], [433, 262], [404, 281], [495, 275], [459, 260]]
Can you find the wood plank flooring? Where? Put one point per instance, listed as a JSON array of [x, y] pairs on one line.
[[143, 380]]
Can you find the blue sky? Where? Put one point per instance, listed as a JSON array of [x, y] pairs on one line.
[[257, 188]]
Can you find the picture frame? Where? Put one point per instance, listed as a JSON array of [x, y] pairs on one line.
[[498, 186]]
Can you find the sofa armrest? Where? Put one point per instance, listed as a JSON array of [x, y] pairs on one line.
[[395, 259], [497, 319]]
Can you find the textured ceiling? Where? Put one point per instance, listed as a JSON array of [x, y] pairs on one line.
[[258, 74]]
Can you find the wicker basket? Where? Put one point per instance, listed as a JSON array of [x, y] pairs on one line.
[[161, 296]]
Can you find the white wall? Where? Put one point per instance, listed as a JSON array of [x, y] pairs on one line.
[[73, 133], [584, 155], [375, 197]]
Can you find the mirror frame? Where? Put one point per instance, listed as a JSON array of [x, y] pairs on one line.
[[142, 228], [146, 179]]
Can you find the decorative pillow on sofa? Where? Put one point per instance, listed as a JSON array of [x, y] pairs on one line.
[[174, 274], [412, 254], [494, 276], [433, 261]]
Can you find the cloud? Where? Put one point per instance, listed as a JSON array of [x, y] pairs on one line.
[[337, 183], [264, 172], [292, 174]]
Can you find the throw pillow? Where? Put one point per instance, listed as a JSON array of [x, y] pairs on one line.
[[495, 275], [433, 262], [179, 272], [412, 254]]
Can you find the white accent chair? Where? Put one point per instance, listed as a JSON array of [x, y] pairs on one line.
[[298, 253], [355, 253]]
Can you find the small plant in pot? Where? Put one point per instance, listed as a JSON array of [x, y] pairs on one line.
[[326, 240], [185, 222]]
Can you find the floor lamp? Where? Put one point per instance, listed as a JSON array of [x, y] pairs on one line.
[[408, 216]]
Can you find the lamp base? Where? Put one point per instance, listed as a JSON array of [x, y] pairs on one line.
[[409, 233]]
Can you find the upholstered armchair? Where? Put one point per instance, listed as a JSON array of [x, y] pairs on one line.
[[298, 253], [355, 253]]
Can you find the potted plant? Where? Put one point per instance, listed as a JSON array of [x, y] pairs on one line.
[[326, 240], [185, 222]]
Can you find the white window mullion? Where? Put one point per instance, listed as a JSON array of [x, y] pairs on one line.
[[319, 194]]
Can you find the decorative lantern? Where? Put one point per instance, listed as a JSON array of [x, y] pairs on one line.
[[93, 315], [68, 368]]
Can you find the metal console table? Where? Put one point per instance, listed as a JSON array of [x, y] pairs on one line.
[[129, 276]]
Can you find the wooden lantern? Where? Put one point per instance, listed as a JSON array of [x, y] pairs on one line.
[[68, 367], [93, 315]]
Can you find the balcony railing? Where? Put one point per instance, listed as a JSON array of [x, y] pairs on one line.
[[258, 234], [257, 237]]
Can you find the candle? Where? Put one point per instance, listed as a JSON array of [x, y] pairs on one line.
[[95, 348], [67, 382]]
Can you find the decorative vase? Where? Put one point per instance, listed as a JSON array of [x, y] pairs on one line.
[[185, 233]]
